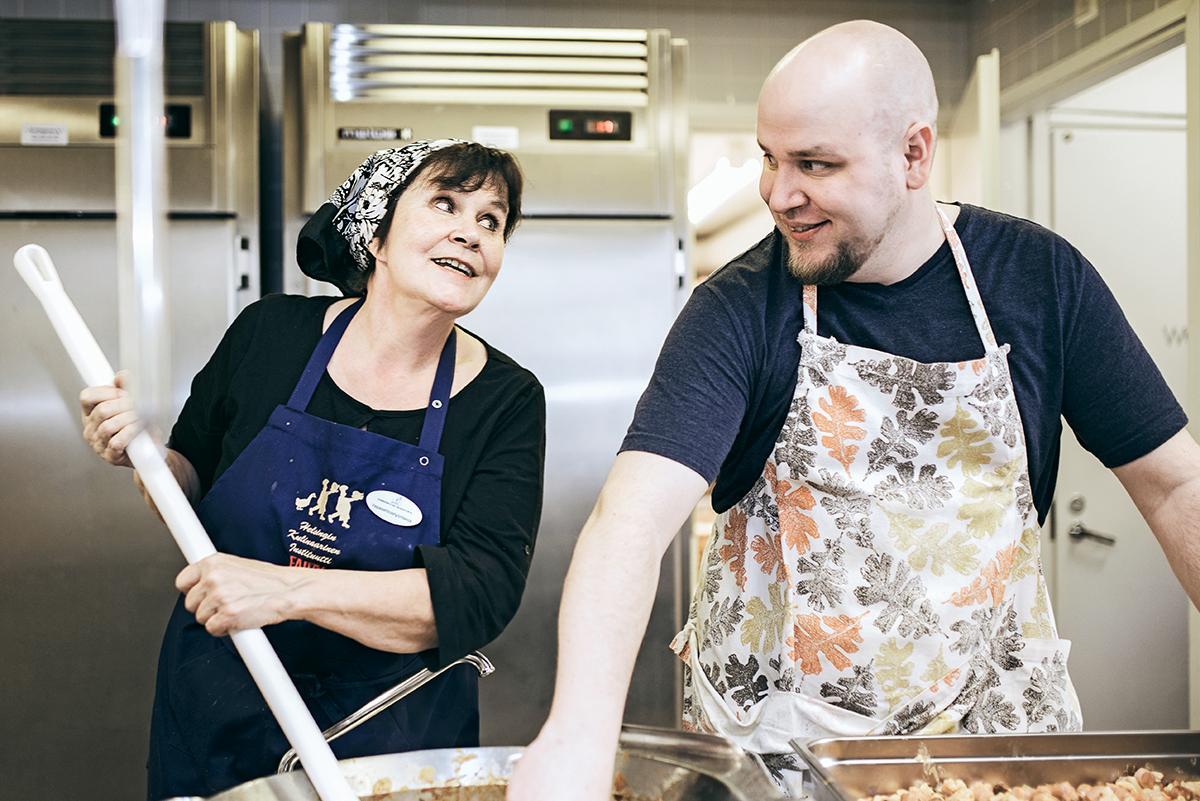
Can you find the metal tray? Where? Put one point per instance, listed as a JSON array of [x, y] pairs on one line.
[[847, 769]]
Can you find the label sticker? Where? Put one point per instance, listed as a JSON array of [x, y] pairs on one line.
[[394, 508], [502, 136], [32, 134], [368, 134]]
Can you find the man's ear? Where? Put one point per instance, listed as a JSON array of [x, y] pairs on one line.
[[919, 143]]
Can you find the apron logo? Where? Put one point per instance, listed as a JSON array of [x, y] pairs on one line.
[[317, 502]]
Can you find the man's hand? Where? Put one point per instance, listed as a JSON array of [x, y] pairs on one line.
[[561, 766]]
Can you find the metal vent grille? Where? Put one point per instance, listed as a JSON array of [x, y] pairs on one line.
[[469, 64], [68, 57]]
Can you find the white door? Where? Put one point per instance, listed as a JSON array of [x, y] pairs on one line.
[[1119, 196], [967, 162]]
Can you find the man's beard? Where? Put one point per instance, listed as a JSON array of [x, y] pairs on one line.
[[843, 263]]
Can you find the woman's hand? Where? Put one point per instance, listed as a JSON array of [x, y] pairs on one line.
[[109, 420], [229, 593]]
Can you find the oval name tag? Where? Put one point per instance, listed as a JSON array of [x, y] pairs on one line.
[[394, 508]]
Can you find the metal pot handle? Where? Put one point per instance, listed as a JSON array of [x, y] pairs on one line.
[[704, 753], [385, 699]]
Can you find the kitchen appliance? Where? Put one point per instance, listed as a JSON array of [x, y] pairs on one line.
[[87, 578], [592, 278]]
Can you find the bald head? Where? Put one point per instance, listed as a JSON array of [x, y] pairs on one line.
[[863, 72]]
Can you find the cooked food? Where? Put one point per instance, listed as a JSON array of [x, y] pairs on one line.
[[1143, 785]]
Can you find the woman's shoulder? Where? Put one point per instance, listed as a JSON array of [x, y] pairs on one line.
[[277, 314], [503, 375]]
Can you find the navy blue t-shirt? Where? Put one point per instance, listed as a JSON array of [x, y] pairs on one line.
[[727, 372]]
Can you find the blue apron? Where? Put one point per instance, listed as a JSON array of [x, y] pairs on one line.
[[309, 493]]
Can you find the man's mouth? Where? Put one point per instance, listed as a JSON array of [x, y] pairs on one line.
[[457, 266], [803, 231]]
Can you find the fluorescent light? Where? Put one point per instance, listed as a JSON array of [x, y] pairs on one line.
[[718, 186]]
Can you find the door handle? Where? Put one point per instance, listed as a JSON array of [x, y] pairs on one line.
[[1077, 532]]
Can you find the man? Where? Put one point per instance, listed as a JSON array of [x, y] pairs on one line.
[[876, 388]]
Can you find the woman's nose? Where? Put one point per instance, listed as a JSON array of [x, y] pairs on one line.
[[466, 238]]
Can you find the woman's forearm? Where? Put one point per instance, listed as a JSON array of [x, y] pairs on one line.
[[386, 610]]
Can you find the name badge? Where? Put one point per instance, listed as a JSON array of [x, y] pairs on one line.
[[394, 508]]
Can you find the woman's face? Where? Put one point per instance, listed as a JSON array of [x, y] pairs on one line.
[[444, 246]]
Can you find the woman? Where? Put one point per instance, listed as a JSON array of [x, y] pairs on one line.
[[366, 437]]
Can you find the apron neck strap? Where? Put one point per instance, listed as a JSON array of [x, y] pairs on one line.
[[439, 397], [320, 357], [982, 324]]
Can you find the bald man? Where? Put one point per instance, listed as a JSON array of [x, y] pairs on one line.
[[876, 388]]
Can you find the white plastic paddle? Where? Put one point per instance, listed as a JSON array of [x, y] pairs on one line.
[[35, 266]]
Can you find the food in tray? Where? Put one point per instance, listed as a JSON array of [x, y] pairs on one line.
[[1143, 785]]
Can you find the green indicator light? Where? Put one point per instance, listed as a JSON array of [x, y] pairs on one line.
[[566, 125], [116, 121]]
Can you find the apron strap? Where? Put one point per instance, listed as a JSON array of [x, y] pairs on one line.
[[320, 357], [439, 396], [982, 324]]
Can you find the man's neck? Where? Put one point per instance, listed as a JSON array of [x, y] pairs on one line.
[[915, 235]]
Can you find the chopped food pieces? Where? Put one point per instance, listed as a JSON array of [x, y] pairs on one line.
[[1143, 785]]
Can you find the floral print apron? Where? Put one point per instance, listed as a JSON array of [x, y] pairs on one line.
[[883, 576]]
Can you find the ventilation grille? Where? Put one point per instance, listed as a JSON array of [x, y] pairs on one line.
[[467, 64], [69, 57]]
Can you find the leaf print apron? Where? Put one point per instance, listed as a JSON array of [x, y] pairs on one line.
[[884, 575]]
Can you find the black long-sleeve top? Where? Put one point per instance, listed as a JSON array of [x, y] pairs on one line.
[[493, 444]]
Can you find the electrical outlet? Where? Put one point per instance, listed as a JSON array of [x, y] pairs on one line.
[[1086, 11]]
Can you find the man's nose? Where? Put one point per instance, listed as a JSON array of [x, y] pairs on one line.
[[781, 191]]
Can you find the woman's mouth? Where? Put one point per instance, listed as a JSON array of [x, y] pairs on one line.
[[457, 266]]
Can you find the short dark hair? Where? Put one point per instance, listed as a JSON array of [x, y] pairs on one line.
[[465, 167]]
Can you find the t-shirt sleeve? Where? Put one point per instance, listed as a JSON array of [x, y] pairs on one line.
[[693, 407], [202, 423], [477, 574], [1114, 397]]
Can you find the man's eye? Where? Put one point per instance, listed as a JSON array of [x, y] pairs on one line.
[[814, 166], [769, 160]]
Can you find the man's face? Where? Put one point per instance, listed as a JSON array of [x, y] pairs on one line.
[[829, 179]]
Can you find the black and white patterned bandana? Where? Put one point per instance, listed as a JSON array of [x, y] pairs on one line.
[[333, 243]]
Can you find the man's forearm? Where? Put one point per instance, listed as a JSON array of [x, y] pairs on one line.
[[1176, 524], [606, 604], [1165, 486]]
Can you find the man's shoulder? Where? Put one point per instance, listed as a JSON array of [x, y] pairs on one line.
[[757, 272], [985, 226]]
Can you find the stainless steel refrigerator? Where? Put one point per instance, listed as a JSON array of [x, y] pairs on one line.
[[87, 571], [591, 280]]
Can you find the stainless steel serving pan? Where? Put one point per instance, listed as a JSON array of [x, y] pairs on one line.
[[847, 769], [652, 765]]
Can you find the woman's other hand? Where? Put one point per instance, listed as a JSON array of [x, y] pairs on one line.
[[229, 593], [109, 420]]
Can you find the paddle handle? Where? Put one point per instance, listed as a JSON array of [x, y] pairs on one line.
[[35, 266]]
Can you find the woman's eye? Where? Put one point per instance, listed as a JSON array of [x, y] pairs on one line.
[[444, 203], [489, 222]]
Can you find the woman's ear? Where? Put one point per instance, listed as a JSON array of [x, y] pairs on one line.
[[375, 247]]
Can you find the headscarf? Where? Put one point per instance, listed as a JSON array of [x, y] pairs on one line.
[[333, 243]]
